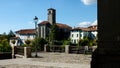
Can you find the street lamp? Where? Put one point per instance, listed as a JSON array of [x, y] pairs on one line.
[[35, 20]]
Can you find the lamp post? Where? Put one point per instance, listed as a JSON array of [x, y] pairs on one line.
[[35, 20]]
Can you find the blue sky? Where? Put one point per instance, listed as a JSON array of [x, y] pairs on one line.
[[19, 14]]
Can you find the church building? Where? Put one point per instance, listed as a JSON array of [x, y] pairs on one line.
[[44, 26]]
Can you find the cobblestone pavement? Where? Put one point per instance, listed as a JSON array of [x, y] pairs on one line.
[[63, 58], [49, 60]]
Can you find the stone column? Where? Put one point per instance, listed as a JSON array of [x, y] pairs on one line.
[[41, 31], [45, 48], [27, 52], [107, 55], [44, 32], [67, 49], [13, 52]]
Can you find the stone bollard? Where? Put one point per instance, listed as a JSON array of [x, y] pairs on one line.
[[67, 49], [27, 52]]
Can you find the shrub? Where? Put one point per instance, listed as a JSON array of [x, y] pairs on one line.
[[66, 42], [28, 42], [13, 41], [4, 46]]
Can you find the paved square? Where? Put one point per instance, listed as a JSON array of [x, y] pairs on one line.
[[49, 60]]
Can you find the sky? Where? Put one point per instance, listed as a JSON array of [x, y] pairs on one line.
[[18, 14]]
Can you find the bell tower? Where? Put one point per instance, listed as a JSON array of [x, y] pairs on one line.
[[51, 16]]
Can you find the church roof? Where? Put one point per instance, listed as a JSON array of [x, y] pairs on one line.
[[26, 31], [43, 23], [60, 25], [64, 26]]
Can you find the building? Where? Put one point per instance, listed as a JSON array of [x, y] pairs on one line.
[[18, 41], [78, 33], [25, 34], [93, 30], [44, 26]]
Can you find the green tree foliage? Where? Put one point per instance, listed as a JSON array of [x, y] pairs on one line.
[[56, 35], [66, 42], [39, 42], [53, 33], [10, 34], [4, 43], [28, 42], [60, 35], [42, 41], [4, 46], [13, 41], [87, 41]]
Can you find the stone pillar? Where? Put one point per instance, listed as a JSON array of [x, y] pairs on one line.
[[67, 49], [107, 54], [13, 52], [44, 32], [41, 31], [45, 48], [27, 52]]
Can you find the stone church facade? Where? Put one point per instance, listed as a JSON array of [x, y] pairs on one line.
[[44, 26]]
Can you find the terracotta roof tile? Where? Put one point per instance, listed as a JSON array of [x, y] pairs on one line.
[[90, 28], [43, 23], [93, 28], [58, 24], [64, 26], [26, 31]]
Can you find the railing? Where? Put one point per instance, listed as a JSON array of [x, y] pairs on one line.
[[56, 48], [73, 49], [19, 50], [69, 49], [80, 50]]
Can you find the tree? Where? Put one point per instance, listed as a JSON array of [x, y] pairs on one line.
[[4, 43], [4, 46], [53, 34], [10, 34], [60, 35], [42, 41]]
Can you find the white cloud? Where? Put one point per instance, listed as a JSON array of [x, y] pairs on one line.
[[84, 24], [94, 23], [87, 23], [32, 22], [40, 21], [89, 2]]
